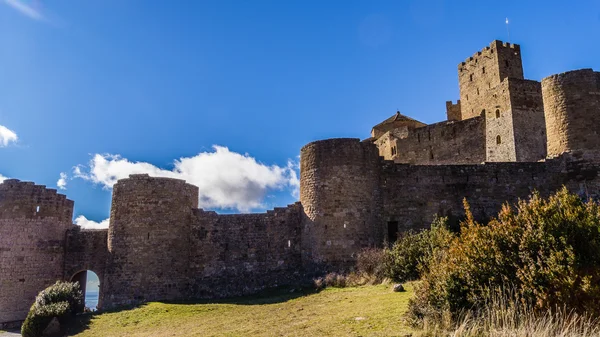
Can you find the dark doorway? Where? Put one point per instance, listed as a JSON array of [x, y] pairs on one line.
[[392, 231]]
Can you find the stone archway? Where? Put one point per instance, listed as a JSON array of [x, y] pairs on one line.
[[90, 284]]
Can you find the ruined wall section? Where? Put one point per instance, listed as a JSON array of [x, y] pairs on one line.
[[486, 70], [339, 190], [457, 142], [33, 222], [149, 240], [238, 254], [86, 249], [572, 108]]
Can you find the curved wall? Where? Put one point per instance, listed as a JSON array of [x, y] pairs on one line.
[[339, 190], [572, 109], [149, 240], [33, 223]]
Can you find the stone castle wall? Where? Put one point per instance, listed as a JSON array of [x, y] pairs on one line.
[[160, 246], [33, 222], [455, 142], [339, 191], [235, 254], [149, 240], [572, 105]]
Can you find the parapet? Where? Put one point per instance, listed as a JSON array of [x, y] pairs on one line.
[[143, 187], [494, 47], [27, 200]]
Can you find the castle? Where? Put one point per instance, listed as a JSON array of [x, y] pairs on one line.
[[504, 138]]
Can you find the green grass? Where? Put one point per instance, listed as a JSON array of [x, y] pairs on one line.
[[359, 311]]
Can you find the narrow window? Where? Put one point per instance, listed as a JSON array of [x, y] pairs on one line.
[[467, 97], [148, 236], [489, 85], [392, 231], [497, 113], [477, 91], [430, 154], [483, 70], [506, 63], [471, 77], [498, 140]]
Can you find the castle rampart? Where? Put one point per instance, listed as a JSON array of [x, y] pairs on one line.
[[160, 246]]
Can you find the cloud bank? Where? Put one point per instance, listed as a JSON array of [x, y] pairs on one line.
[[25, 9], [90, 224], [7, 136], [226, 179]]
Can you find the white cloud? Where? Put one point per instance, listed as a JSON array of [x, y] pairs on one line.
[[25, 9], [7, 136], [83, 222], [2, 178], [62, 181], [226, 179]]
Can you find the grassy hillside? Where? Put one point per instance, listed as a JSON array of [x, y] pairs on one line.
[[361, 311]]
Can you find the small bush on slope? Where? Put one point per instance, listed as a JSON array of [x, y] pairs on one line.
[[410, 256], [547, 250], [60, 300]]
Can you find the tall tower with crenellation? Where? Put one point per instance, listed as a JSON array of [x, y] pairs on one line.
[[492, 85]]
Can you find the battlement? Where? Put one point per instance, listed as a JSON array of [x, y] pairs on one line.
[[27, 200], [494, 47]]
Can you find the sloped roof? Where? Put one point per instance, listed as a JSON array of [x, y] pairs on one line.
[[397, 117]]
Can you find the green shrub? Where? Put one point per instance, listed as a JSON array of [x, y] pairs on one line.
[[547, 250], [61, 300], [409, 256]]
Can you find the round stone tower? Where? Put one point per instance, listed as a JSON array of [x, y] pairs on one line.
[[148, 240], [339, 191], [33, 223], [572, 109]]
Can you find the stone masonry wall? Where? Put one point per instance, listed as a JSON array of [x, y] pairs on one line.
[[529, 123], [457, 142], [485, 70], [86, 249], [572, 107], [33, 222], [149, 240], [236, 254], [339, 191], [413, 194]]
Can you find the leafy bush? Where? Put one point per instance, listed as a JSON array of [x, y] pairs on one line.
[[547, 250], [61, 300], [409, 256]]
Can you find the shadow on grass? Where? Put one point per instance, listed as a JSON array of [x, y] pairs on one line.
[[269, 296]]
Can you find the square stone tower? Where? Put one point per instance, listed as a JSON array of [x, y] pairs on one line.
[[485, 70]]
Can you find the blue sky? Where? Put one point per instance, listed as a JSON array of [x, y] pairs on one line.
[[225, 93]]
